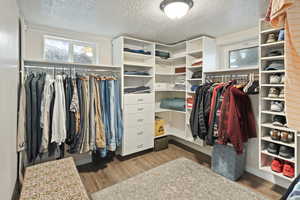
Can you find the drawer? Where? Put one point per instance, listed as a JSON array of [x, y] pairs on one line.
[[140, 119], [139, 108], [138, 139], [133, 99]]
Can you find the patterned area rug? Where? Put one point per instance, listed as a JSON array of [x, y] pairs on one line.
[[181, 179]]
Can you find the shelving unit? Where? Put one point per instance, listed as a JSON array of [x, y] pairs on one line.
[[266, 115]]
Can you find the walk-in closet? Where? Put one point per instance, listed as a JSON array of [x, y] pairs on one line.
[[149, 100]]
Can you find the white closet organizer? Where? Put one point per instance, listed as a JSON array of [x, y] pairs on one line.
[[266, 115], [140, 109]]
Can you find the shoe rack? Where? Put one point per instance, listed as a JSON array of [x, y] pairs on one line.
[[266, 113]]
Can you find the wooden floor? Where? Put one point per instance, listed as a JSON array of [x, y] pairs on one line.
[[98, 176]]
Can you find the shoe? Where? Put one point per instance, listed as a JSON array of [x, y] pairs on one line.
[[279, 120], [273, 92], [281, 35], [275, 134], [271, 38], [277, 165], [275, 65], [288, 170], [282, 79], [274, 79], [287, 137], [281, 94], [286, 152], [273, 148], [275, 52], [277, 106]]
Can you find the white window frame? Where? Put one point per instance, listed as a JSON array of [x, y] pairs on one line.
[[71, 44]]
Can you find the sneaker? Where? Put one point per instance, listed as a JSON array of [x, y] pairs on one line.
[[274, 79], [286, 152], [277, 165], [275, 134], [287, 137], [282, 79], [281, 94], [271, 38], [276, 106], [279, 120], [273, 148], [273, 92], [288, 170], [276, 52]]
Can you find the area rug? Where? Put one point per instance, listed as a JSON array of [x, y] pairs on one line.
[[181, 179]]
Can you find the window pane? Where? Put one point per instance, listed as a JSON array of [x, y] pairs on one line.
[[243, 57], [83, 54], [56, 50]]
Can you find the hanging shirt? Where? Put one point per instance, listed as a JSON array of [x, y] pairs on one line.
[[287, 13], [21, 120]]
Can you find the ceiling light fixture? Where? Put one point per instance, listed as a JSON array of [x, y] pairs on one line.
[[176, 9]]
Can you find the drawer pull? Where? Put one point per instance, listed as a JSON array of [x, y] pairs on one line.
[[140, 120], [140, 146], [140, 109], [140, 133], [139, 100]]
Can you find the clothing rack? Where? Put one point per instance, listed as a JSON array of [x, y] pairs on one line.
[[228, 77]]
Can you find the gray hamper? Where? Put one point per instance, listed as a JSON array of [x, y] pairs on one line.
[[226, 162]]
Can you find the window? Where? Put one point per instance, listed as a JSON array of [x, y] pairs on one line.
[[64, 50], [247, 57]]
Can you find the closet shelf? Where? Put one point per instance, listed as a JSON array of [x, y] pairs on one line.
[[196, 53], [138, 76], [277, 156], [269, 139], [273, 44], [273, 58], [170, 74], [169, 90], [194, 79], [134, 64], [271, 30], [272, 71], [269, 170], [70, 64], [158, 110], [272, 113], [272, 99], [160, 136], [137, 55], [171, 59], [191, 91], [233, 70], [281, 128], [195, 67], [272, 85]]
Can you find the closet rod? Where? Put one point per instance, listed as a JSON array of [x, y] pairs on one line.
[[68, 68]]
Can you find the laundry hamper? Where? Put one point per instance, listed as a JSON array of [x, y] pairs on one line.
[[226, 162]]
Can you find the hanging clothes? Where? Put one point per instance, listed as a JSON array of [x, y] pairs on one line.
[[286, 12]]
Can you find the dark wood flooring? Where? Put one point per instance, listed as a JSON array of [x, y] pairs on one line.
[[100, 175]]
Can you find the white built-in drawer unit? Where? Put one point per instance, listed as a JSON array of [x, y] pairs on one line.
[[138, 113]]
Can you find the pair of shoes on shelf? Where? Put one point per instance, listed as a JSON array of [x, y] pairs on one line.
[[272, 37], [276, 79], [283, 136], [277, 106], [279, 120], [281, 150], [286, 168], [276, 93]]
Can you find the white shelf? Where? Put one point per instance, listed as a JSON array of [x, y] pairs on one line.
[[69, 64], [136, 64], [272, 85], [272, 112], [271, 30], [160, 136], [272, 71], [137, 55], [281, 128], [138, 76], [191, 91], [170, 74], [233, 70], [195, 67], [273, 58], [272, 99], [171, 59], [277, 156], [269, 139], [273, 44], [158, 110], [194, 79], [169, 90], [269, 170]]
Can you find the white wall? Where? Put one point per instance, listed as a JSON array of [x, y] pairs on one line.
[[8, 96], [34, 35], [239, 40]]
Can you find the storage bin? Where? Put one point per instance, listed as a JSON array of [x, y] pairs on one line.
[[161, 143], [226, 162]]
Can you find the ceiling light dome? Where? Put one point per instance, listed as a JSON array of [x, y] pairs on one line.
[[176, 9]]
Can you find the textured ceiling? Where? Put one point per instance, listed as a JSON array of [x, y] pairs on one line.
[[143, 18]]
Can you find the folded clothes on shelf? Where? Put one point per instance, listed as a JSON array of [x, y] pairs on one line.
[[173, 104], [275, 65], [194, 87], [139, 51], [179, 86], [142, 73], [137, 90], [197, 74], [197, 63], [162, 54]]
